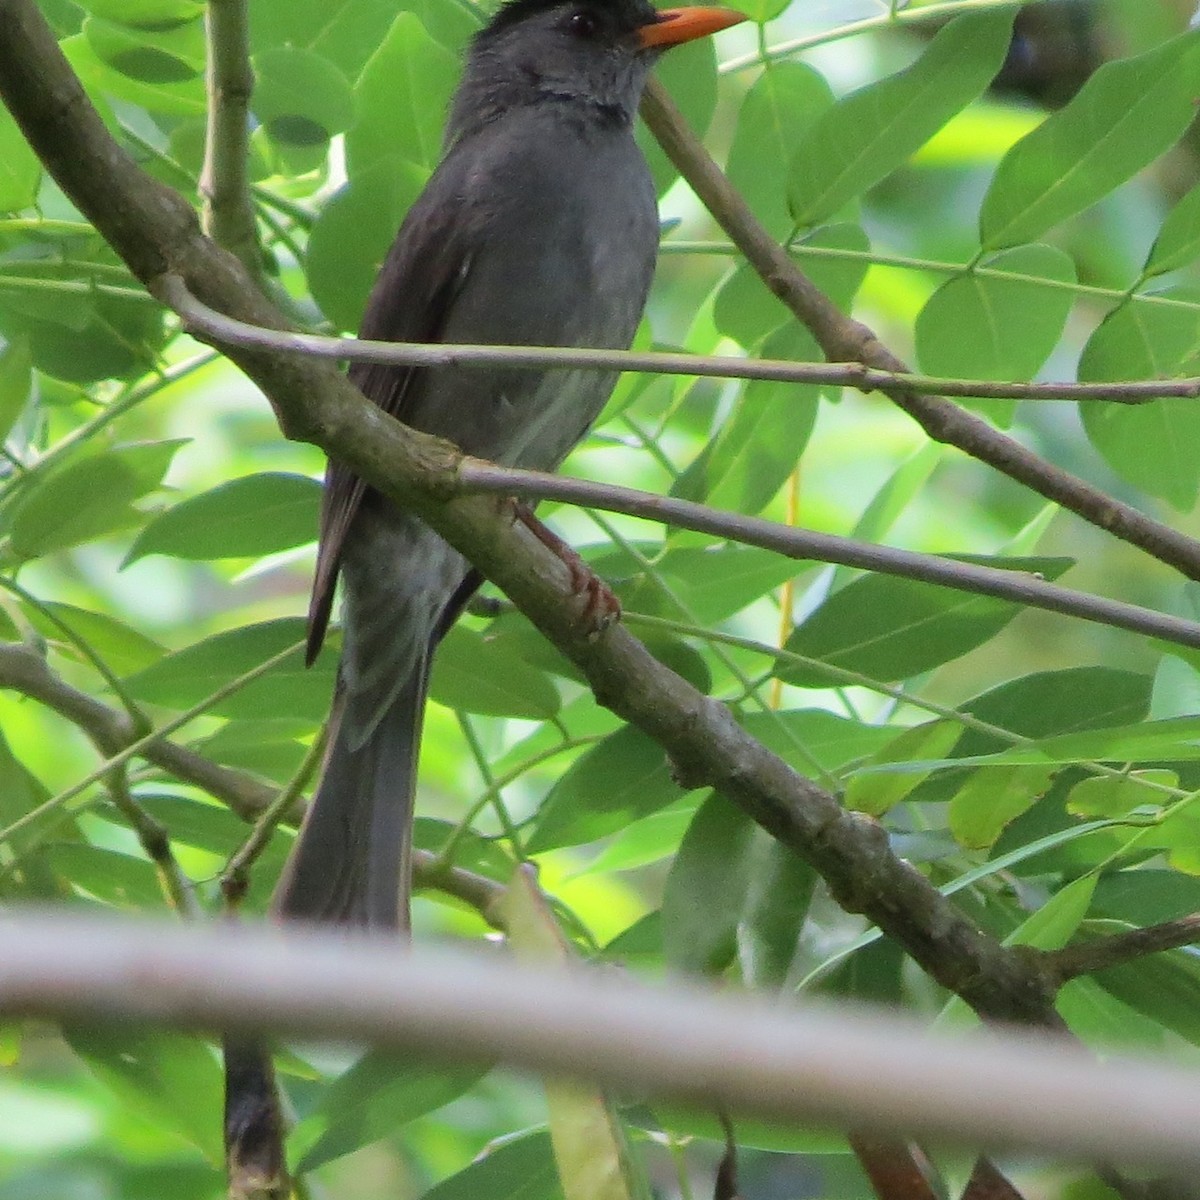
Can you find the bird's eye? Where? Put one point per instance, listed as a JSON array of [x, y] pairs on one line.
[[583, 24]]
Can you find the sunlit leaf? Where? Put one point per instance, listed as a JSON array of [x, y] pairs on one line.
[[624, 777], [871, 132], [246, 517], [89, 496], [170, 1078], [1121, 120]]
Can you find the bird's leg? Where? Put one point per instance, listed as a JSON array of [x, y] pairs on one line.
[[600, 606]]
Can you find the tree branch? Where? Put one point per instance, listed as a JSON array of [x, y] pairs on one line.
[[476, 476], [1098, 954], [843, 339], [206, 324], [744, 1054]]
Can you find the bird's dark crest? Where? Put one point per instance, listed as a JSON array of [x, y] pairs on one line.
[[630, 13]]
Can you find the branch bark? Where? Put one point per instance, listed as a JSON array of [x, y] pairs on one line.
[[733, 1052]]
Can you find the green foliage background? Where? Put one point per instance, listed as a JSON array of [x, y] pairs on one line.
[[156, 542]]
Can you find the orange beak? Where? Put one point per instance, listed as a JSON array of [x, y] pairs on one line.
[[677, 25]]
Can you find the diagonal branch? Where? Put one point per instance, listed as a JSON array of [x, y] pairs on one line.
[[841, 338], [1098, 954], [111, 731]]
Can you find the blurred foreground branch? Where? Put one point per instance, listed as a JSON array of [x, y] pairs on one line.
[[803, 1063]]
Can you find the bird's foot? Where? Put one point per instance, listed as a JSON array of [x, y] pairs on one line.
[[600, 606]]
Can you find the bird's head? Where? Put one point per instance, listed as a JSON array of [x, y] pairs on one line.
[[597, 52]]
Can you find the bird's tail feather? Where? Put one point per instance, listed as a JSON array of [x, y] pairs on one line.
[[351, 863]]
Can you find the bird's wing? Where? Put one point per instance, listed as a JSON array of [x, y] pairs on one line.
[[410, 302]]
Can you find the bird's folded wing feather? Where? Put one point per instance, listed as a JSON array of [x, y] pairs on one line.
[[411, 301]]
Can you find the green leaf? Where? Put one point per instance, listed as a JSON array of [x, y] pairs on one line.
[[270, 748], [1147, 895], [20, 168], [1117, 796], [891, 628], [1165, 987], [1055, 923], [871, 132], [402, 97], [86, 498], [16, 379], [178, 91], [1155, 446], [763, 11], [775, 114], [649, 840], [83, 339], [244, 518], [301, 98], [121, 648], [200, 823], [116, 879], [760, 444], [734, 891], [982, 326], [289, 689], [622, 778], [352, 234], [875, 792], [518, 1168], [774, 910], [1178, 242], [1052, 703], [20, 793], [992, 798], [172, 54], [378, 1095], [1126, 115], [892, 500], [473, 674], [829, 741], [706, 888], [595, 1160], [171, 1079], [715, 582], [148, 14]]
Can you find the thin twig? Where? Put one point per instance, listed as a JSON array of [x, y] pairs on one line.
[[207, 324], [235, 878], [1021, 587], [155, 840], [141, 744]]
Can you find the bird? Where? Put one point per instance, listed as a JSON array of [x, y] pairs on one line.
[[539, 226]]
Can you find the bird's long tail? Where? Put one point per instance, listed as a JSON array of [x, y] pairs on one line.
[[351, 864]]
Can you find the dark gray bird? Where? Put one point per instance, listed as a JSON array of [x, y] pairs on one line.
[[538, 228]]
